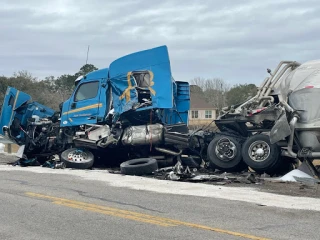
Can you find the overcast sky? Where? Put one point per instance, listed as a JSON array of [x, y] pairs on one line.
[[231, 39]]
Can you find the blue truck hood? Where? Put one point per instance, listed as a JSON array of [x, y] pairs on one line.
[[17, 108]]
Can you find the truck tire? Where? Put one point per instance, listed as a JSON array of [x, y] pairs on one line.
[[139, 166], [283, 166], [224, 153], [77, 158], [260, 155]]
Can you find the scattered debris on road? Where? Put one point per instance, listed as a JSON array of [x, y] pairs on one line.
[[206, 175]]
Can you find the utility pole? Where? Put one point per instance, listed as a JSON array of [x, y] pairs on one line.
[[87, 54]]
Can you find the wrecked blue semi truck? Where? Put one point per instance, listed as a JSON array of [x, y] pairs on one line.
[[133, 109]]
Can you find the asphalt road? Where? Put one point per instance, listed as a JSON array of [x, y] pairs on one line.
[[38, 203]]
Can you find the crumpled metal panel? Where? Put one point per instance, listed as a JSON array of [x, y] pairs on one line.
[[280, 130], [99, 133], [157, 62], [143, 135], [271, 113]]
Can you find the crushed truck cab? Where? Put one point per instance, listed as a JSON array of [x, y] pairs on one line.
[[17, 112], [134, 107]]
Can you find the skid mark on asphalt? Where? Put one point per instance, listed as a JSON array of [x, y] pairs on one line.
[[136, 216]]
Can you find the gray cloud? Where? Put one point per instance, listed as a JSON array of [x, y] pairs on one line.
[[233, 39]]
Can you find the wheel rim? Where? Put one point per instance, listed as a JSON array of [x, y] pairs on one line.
[[259, 151], [79, 156], [225, 149]]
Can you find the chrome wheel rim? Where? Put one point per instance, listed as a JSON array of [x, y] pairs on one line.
[[259, 151], [225, 149], [78, 155]]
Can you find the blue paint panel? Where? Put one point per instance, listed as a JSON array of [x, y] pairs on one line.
[[64, 122], [155, 60], [179, 112], [12, 100], [98, 74], [17, 106], [183, 100]]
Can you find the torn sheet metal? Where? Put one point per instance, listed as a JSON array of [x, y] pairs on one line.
[[157, 62], [280, 130], [296, 176]]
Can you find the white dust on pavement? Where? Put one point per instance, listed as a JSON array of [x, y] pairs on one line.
[[245, 194]]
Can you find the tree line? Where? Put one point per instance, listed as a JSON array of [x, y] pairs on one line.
[[220, 94], [51, 91]]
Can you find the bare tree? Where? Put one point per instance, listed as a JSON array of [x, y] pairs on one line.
[[200, 82], [214, 90]]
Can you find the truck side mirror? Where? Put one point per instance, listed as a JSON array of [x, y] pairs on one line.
[[73, 105]]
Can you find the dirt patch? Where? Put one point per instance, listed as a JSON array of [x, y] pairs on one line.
[[284, 188], [290, 188]]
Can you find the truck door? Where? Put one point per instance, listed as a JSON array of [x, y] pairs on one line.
[[12, 100], [87, 103]]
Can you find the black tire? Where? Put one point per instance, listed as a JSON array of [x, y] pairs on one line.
[[139, 166], [269, 162], [283, 166], [77, 158], [230, 159], [42, 159]]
